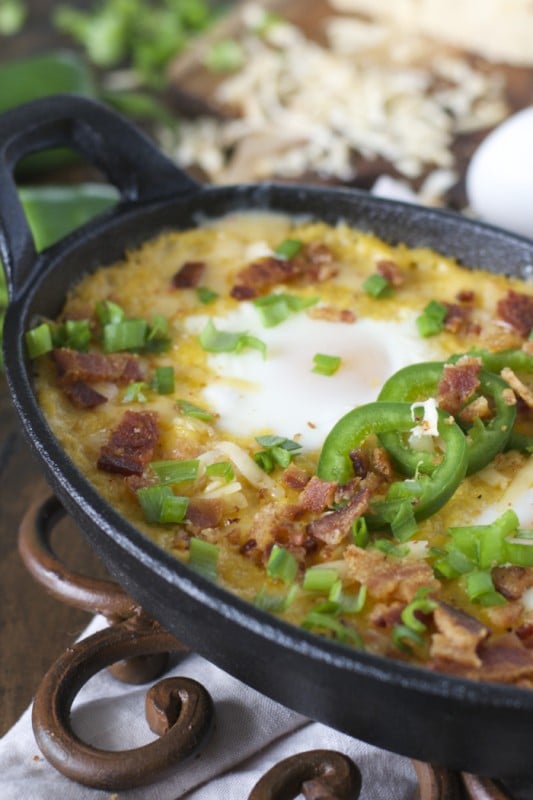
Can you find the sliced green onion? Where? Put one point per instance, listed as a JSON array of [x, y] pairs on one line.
[[360, 534], [39, 340], [288, 248], [485, 545], [276, 308], [127, 335], [431, 321], [403, 637], [389, 548], [215, 341], [403, 524], [73, 333], [203, 557], [478, 584], [268, 441], [326, 365], [343, 633], [151, 499], [264, 460], [191, 410], [157, 337], [454, 564], [519, 549], [347, 603], [173, 509], [164, 380], [319, 579], [134, 392], [109, 313], [422, 604], [275, 602], [205, 295], [282, 565], [277, 452], [221, 469], [175, 471], [377, 286]]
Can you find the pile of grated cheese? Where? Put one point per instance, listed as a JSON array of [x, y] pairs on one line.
[[303, 108]]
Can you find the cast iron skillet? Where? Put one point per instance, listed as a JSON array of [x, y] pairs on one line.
[[462, 724]]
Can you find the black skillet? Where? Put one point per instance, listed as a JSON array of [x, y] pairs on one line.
[[461, 724]]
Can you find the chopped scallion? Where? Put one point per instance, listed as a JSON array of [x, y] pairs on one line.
[[163, 381], [221, 469], [404, 638], [319, 579], [151, 500], [127, 335], [203, 557], [191, 410], [205, 295], [109, 313], [215, 341], [175, 471], [360, 533], [288, 248], [377, 286], [135, 392], [431, 321], [344, 633], [173, 509], [277, 452], [276, 308], [326, 365], [39, 340], [282, 565]]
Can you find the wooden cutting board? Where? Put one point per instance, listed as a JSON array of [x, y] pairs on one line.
[[192, 87]]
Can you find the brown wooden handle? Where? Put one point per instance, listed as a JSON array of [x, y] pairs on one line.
[[319, 774], [178, 708], [90, 594]]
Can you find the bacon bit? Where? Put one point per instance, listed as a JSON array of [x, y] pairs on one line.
[[332, 314], [458, 637], [359, 460], [248, 546], [392, 273], [458, 383], [312, 264], [389, 579], [381, 464], [523, 391], [317, 495], [525, 634], [136, 482], [189, 275], [334, 527], [385, 615], [465, 296], [505, 659], [204, 512], [517, 310], [131, 445], [477, 409], [73, 366], [274, 522], [512, 582], [505, 617], [295, 477], [458, 318], [83, 395]]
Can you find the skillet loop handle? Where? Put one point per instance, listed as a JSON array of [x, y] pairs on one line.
[[129, 159], [179, 710], [318, 774]]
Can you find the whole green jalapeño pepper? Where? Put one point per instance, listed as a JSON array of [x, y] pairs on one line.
[[356, 426], [484, 439]]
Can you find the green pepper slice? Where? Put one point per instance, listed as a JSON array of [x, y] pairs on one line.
[[350, 432], [484, 440]]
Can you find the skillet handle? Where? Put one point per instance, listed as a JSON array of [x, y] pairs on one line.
[[131, 162]]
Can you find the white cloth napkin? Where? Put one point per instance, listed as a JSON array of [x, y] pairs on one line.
[[251, 734]]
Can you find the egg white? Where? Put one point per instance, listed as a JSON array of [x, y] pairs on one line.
[[281, 394]]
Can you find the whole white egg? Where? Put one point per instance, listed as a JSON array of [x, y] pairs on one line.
[[499, 178]]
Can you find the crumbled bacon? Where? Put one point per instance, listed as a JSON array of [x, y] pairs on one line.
[[465, 296], [381, 464], [457, 638], [359, 460], [477, 409], [334, 527], [131, 445], [505, 659], [458, 318], [512, 582], [332, 314], [388, 578], [317, 495], [386, 615], [73, 366], [517, 309], [518, 386], [189, 275], [458, 383], [204, 512], [312, 264], [82, 395], [393, 274], [295, 477]]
